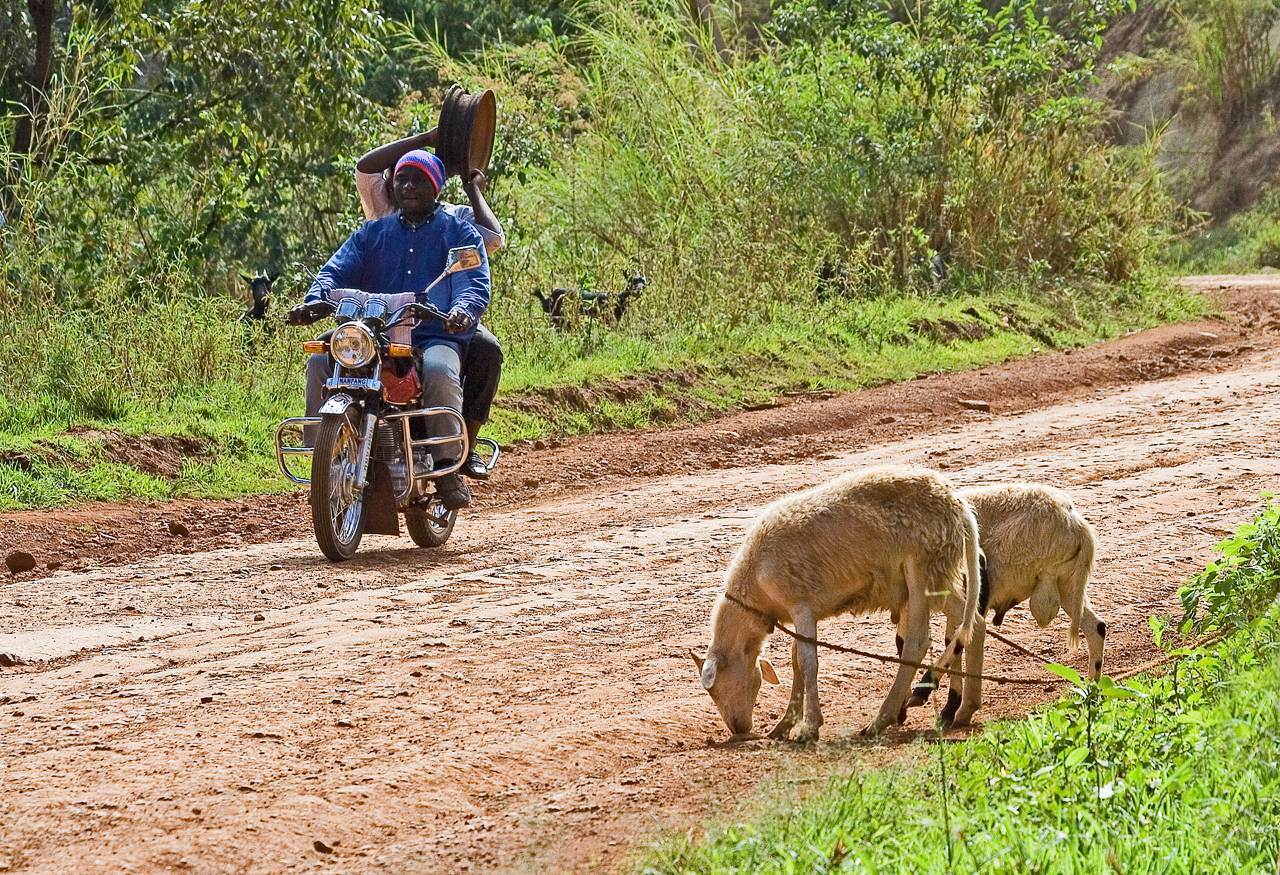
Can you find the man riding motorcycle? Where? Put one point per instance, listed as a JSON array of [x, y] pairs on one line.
[[402, 252], [482, 362]]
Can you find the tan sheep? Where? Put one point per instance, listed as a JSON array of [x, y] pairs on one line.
[[1037, 548], [895, 539]]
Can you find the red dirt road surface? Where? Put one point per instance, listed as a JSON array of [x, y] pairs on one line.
[[523, 700]]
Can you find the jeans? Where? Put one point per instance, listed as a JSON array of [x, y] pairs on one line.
[[440, 371]]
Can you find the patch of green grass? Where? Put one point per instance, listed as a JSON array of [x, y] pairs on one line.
[[840, 345], [1180, 774], [1249, 242]]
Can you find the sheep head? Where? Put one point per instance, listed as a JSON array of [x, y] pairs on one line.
[[733, 680]]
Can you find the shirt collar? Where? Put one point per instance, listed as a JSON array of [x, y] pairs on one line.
[[414, 227]]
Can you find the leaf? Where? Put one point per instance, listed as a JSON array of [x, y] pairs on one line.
[[1066, 672], [1076, 757], [1119, 692]]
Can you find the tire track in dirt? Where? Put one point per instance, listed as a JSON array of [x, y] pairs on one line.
[[523, 700]]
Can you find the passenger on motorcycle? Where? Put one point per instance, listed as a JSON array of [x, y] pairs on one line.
[[482, 361], [403, 252]]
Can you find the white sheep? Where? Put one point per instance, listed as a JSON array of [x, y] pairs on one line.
[[895, 539], [1037, 548]]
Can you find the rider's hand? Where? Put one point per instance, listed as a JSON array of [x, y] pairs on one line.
[[299, 315], [477, 180], [459, 320]]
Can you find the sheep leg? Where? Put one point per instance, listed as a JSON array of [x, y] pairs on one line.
[[915, 619], [782, 731], [971, 699], [955, 614], [1095, 635], [807, 625]]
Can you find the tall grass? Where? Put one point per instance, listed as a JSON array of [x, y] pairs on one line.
[[951, 153], [1232, 52]]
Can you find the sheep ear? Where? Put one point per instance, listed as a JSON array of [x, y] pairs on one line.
[[708, 673], [246, 277], [272, 277], [767, 672]]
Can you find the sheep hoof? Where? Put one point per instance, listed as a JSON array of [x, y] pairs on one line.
[[781, 732], [914, 702], [961, 719], [807, 733], [902, 715], [874, 728]]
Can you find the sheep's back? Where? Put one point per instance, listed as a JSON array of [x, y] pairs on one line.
[[842, 546], [1025, 530]]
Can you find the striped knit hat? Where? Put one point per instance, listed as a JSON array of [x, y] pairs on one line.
[[427, 163]]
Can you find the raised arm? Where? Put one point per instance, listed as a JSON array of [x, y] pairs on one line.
[[484, 217], [385, 157]]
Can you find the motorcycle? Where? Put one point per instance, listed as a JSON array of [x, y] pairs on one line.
[[370, 461]]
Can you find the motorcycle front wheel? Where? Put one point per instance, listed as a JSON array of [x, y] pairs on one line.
[[431, 525], [337, 511]]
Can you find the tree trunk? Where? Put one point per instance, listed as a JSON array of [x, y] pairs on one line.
[[41, 73]]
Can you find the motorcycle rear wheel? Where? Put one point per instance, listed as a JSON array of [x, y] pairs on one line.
[[337, 513], [431, 525]]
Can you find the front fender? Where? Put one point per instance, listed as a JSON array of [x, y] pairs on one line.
[[337, 403]]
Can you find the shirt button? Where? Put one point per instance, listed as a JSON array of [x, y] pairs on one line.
[[410, 248], [409, 272]]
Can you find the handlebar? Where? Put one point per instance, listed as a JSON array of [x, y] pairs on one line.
[[306, 314], [417, 311]]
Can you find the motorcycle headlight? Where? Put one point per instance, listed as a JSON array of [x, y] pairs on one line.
[[352, 345]]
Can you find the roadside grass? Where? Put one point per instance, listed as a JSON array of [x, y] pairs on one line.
[[1249, 242], [1173, 774], [64, 446]]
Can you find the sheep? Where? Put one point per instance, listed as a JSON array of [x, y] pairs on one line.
[[1036, 548], [890, 538]]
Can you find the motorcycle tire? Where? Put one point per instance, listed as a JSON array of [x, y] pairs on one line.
[[338, 528], [427, 528]]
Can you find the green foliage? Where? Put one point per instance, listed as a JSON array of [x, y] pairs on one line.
[[1235, 588], [944, 155], [1250, 241], [1232, 55], [1178, 774]]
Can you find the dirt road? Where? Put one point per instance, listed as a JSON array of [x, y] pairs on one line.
[[523, 699]]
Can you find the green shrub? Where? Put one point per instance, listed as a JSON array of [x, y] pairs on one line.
[[1233, 59]]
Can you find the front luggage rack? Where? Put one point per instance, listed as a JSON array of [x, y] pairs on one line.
[[284, 453]]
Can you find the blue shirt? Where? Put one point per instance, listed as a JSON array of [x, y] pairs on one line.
[[390, 256]]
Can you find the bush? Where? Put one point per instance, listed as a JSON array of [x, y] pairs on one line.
[[1232, 55]]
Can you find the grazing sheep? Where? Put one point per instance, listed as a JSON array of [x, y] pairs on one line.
[[895, 539], [1038, 549]]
